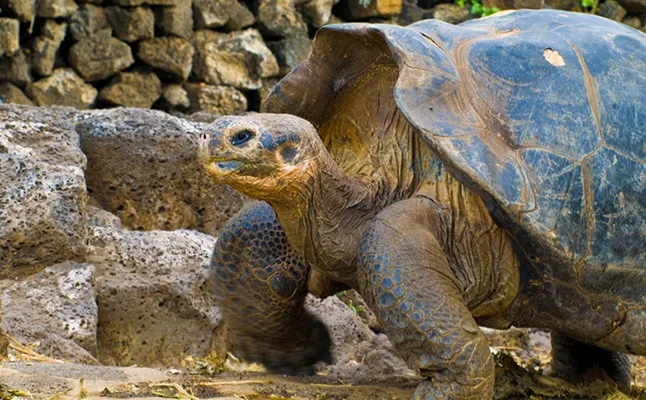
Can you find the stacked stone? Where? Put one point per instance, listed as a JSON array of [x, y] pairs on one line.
[[219, 56]]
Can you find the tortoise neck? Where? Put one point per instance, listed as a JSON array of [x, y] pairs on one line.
[[326, 222]]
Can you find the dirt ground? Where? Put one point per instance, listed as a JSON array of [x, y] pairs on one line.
[[522, 358], [366, 368]]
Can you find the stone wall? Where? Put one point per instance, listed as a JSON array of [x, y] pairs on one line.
[[219, 56]]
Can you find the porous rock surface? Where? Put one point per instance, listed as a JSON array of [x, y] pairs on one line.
[[132, 89], [153, 306], [142, 167], [238, 59], [136, 297], [63, 87], [42, 190], [356, 349], [57, 309]]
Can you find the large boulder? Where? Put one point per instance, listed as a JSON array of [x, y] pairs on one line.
[[215, 99], [356, 349], [131, 23], [142, 166], [239, 59], [215, 13], [176, 20], [280, 18], [25, 10], [169, 54], [15, 69], [100, 56], [55, 308], [42, 190], [88, 20], [56, 8], [45, 47], [132, 89], [10, 93], [154, 306], [63, 87], [9, 36]]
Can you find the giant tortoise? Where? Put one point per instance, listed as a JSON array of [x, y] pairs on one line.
[[491, 173]]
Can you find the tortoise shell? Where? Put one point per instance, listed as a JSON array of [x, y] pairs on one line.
[[542, 113]]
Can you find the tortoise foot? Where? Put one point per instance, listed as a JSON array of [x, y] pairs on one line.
[[294, 355], [577, 361]]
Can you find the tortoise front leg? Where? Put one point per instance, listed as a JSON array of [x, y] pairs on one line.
[[406, 279], [261, 284]]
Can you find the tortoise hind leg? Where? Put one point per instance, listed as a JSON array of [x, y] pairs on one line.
[[580, 361], [260, 284]]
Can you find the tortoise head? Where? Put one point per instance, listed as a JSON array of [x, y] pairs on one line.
[[261, 155]]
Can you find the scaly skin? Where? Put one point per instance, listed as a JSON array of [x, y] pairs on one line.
[[261, 285]]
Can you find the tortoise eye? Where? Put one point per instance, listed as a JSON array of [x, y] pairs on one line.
[[241, 137]]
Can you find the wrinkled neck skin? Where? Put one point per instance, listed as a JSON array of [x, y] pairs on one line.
[[326, 218]]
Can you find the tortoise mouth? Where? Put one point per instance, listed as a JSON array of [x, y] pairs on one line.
[[219, 168]]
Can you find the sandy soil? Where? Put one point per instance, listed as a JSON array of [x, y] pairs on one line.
[[522, 358], [366, 368]]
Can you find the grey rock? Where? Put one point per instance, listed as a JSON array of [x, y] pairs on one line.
[[318, 11], [239, 59], [171, 54], [45, 47], [215, 99], [203, 117], [88, 20], [57, 309], [10, 93], [239, 17], [154, 306], [56, 8], [15, 69], [612, 10], [141, 2], [411, 12], [100, 56], [25, 10], [9, 36], [63, 87], [132, 89], [176, 20], [175, 96], [451, 13], [633, 22], [42, 190], [529, 4], [142, 166], [132, 23], [634, 6], [355, 348], [216, 13], [291, 51], [280, 18]]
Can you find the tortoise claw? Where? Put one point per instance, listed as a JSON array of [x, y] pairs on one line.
[[293, 355]]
